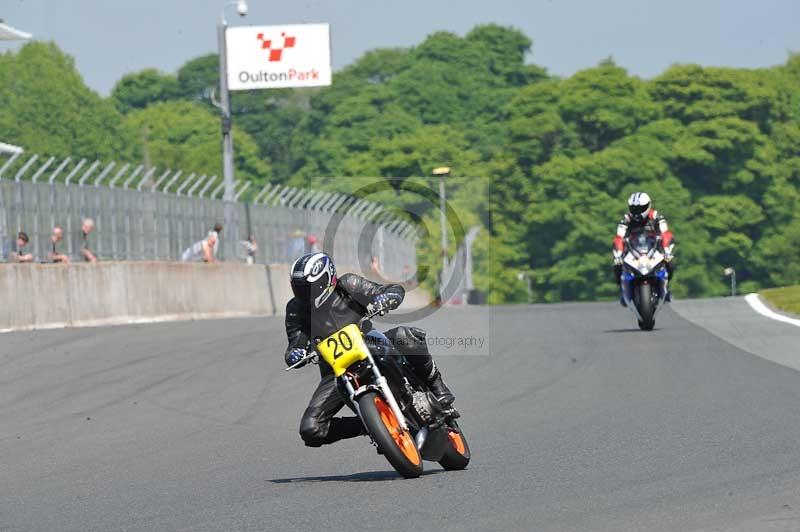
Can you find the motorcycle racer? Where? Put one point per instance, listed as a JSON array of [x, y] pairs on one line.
[[322, 304], [641, 215]]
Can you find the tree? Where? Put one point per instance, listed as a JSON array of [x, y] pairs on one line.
[[46, 108], [185, 135], [138, 90]]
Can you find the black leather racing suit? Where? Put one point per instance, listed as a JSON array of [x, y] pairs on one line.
[[346, 305]]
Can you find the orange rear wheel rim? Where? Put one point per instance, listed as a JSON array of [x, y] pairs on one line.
[[457, 441], [401, 437]]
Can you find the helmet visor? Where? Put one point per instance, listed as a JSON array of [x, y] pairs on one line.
[[638, 210]]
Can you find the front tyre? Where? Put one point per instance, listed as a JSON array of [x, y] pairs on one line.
[[457, 454], [396, 443], [646, 307]]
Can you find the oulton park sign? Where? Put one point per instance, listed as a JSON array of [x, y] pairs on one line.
[[271, 57]]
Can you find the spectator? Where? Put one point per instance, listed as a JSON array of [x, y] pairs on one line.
[[202, 250], [313, 244], [20, 254], [86, 252], [250, 249], [297, 244], [218, 230], [55, 240], [374, 266]]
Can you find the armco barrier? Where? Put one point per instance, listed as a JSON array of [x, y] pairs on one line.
[[44, 296]]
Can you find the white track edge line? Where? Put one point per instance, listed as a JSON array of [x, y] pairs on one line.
[[756, 304]]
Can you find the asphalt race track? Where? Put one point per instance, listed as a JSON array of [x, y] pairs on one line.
[[576, 422]]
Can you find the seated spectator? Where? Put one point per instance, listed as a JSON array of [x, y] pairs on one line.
[[20, 254], [202, 250], [55, 240], [250, 249], [85, 251]]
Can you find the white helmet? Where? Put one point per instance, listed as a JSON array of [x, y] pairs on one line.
[[639, 206]]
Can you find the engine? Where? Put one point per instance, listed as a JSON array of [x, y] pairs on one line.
[[426, 406]]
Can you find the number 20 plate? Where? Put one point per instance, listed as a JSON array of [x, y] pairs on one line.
[[343, 348]]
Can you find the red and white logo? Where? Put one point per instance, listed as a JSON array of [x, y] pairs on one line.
[[275, 50], [276, 57]]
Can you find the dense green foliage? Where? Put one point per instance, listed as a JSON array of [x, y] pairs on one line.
[[717, 148]]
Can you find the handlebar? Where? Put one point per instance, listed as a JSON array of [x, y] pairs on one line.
[[312, 355]]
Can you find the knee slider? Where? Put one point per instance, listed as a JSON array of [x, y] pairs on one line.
[[410, 340], [312, 431]]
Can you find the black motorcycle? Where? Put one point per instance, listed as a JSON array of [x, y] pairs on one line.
[[401, 415]]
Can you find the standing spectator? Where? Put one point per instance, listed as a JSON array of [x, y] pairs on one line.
[[218, 230], [250, 249], [313, 244], [297, 244], [86, 252], [20, 254], [202, 250], [375, 267], [55, 240]]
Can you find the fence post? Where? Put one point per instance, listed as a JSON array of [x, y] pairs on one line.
[[103, 174], [207, 186], [119, 174], [9, 162], [272, 193], [88, 172], [185, 182], [241, 190], [175, 177], [216, 190], [24, 168], [197, 183], [74, 171], [58, 170], [41, 169]]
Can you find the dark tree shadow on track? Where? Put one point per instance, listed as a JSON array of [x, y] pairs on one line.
[[610, 331], [367, 476]]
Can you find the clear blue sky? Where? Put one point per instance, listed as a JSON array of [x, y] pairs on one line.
[[109, 38]]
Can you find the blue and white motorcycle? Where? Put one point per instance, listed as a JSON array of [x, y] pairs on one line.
[[644, 277]]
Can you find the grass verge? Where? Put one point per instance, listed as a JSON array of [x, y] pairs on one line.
[[786, 298]]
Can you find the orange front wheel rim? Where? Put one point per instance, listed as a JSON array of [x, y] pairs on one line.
[[401, 437]]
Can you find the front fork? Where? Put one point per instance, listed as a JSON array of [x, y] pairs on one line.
[[626, 285], [383, 385]]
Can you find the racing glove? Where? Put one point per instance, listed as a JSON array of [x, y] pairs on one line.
[[383, 302], [295, 355]]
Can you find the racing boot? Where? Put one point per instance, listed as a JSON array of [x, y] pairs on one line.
[[440, 389]]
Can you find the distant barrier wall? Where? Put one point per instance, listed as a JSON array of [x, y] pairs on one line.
[[42, 296]]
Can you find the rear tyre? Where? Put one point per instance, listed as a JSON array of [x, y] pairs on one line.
[[457, 454], [646, 308], [396, 443]]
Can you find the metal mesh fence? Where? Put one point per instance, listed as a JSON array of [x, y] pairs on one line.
[[151, 215]]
